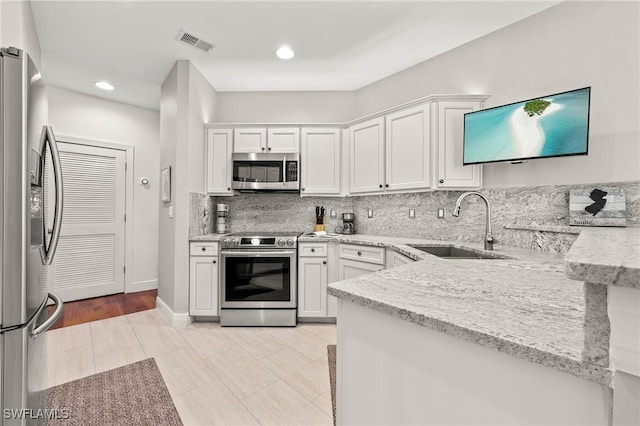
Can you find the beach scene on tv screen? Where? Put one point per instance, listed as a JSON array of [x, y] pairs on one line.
[[545, 127]]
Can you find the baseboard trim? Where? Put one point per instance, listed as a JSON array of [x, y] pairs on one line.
[[142, 286], [318, 320], [173, 319]]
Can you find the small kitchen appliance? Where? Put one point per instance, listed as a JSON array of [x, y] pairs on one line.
[[266, 172], [222, 218], [348, 224], [258, 279]]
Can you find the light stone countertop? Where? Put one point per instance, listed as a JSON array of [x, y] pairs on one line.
[[608, 256], [208, 237], [524, 306]]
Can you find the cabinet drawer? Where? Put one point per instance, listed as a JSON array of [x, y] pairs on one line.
[[312, 250], [204, 249], [362, 253]]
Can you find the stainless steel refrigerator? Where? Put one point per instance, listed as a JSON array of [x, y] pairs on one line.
[[27, 244]]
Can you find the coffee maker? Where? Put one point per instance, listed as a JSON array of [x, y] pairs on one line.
[[348, 224]]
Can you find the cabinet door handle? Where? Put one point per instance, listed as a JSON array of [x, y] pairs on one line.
[[214, 261], [380, 185], [303, 189], [262, 148], [324, 262], [359, 253], [204, 249], [228, 189], [386, 185], [441, 181], [313, 250], [269, 148]]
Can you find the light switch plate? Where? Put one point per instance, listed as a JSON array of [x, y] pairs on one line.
[[441, 213], [170, 212], [412, 213], [333, 213], [369, 213]]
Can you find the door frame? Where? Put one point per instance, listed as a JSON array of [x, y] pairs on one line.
[[128, 202]]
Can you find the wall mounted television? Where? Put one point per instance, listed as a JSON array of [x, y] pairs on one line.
[[549, 126]]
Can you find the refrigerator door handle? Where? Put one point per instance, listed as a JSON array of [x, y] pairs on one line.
[[48, 138], [37, 331]]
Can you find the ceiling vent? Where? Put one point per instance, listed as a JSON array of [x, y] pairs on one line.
[[194, 41]]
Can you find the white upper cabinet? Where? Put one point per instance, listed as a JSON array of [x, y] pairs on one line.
[[320, 161], [451, 174], [250, 139], [260, 139], [283, 139], [399, 161], [219, 166], [366, 156], [407, 149]]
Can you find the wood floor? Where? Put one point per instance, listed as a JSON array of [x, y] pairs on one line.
[[98, 308]]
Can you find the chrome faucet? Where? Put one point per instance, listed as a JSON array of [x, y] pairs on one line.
[[488, 240]]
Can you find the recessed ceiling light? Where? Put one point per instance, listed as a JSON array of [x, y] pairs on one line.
[[285, 52], [104, 85]]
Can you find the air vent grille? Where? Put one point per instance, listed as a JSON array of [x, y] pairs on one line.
[[194, 41]]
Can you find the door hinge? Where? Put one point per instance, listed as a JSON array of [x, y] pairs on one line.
[[124, 269], [125, 217], [125, 166]]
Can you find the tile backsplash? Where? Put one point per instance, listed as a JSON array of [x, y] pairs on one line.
[[515, 207]]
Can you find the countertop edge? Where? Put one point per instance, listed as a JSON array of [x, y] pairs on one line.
[[574, 367], [605, 256]]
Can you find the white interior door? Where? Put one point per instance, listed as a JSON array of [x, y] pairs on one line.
[[90, 258]]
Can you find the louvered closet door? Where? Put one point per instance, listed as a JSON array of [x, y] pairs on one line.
[[89, 261]]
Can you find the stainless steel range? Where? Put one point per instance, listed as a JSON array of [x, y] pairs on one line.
[[258, 277]]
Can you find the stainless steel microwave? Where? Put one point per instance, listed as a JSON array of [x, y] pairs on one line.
[[266, 172]]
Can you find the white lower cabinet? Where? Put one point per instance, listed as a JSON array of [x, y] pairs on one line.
[[312, 287], [396, 259], [355, 260], [353, 268], [313, 277], [203, 280]]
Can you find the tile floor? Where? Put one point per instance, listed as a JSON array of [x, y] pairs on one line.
[[216, 375]]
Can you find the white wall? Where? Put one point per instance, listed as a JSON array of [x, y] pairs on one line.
[[86, 117], [187, 102], [17, 28], [572, 45], [292, 107], [166, 228]]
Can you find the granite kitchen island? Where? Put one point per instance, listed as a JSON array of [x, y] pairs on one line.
[[500, 341]]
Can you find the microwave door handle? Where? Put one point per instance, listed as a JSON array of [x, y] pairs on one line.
[[48, 139], [284, 170]]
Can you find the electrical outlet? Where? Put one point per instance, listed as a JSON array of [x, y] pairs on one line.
[[412, 213], [441, 213], [333, 213], [369, 213]]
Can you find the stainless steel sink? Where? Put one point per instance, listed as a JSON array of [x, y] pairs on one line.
[[451, 252]]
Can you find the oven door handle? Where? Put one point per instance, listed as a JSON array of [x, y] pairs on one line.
[[264, 253]]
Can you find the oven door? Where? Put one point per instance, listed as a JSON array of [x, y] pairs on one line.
[[258, 278]]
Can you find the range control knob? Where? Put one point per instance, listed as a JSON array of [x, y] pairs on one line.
[[289, 242], [235, 242], [226, 242], [280, 243]]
